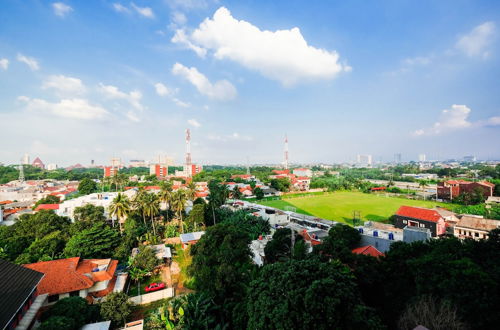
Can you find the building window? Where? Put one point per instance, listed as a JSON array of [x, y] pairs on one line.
[[74, 293], [405, 222], [53, 298], [476, 234]]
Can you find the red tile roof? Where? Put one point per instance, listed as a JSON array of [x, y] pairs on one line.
[[368, 251], [419, 213], [5, 202], [60, 276], [47, 207]]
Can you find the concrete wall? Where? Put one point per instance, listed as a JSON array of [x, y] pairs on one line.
[[382, 244], [153, 296]]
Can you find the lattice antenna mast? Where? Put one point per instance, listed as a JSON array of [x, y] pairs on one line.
[[286, 153], [188, 147]]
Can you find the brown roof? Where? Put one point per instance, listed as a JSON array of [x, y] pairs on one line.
[[478, 223], [60, 276], [72, 274]]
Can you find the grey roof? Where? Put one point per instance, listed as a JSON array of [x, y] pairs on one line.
[[191, 236], [16, 285], [97, 326]]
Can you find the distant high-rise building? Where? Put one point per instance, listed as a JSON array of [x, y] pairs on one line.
[[422, 158], [138, 163], [116, 162], [285, 161], [397, 158], [52, 167], [364, 160], [110, 171], [26, 159]]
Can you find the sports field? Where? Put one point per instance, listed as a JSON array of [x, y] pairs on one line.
[[339, 206]]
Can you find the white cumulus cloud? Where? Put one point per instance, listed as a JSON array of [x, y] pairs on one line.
[[163, 90], [120, 8], [221, 90], [282, 55], [68, 108], [194, 123], [61, 9], [64, 85], [4, 63], [477, 42], [454, 119], [180, 37], [29, 61], [113, 92], [143, 11]]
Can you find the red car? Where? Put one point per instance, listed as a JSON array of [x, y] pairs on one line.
[[154, 287]]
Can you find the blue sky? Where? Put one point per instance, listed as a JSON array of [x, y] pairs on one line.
[[82, 80]]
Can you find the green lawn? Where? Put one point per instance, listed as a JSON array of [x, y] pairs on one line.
[[339, 206], [144, 282]]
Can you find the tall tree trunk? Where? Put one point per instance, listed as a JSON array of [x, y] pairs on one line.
[[153, 223]]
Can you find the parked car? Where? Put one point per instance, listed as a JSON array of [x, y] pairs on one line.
[[155, 287]]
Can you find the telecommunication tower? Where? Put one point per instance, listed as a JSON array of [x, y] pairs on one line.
[[285, 164]]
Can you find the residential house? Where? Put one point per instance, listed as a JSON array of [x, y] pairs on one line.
[[189, 239], [368, 250], [20, 299], [420, 217], [303, 172], [87, 278], [163, 252], [492, 201], [451, 189], [474, 227]]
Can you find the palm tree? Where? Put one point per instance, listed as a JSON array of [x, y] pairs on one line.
[[138, 203], [120, 207], [422, 184], [151, 207], [191, 191], [165, 195], [236, 193], [179, 204]]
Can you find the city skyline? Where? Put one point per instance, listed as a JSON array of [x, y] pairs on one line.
[[120, 79]]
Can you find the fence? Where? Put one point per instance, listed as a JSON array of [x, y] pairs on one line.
[[153, 296]]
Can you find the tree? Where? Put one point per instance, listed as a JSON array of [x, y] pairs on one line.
[[277, 297], [75, 308], [99, 241], [165, 195], [281, 184], [280, 247], [116, 307], [179, 201], [40, 224], [151, 208], [45, 248], [59, 323], [259, 194], [221, 261], [87, 186], [236, 193], [120, 208], [145, 259], [191, 191], [196, 217], [432, 314]]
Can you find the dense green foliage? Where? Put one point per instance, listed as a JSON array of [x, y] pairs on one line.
[[71, 313], [116, 308], [280, 247], [145, 259], [50, 199], [98, 241], [87, 186], [247, 223]]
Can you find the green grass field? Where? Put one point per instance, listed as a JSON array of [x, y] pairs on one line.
[[339, 206]]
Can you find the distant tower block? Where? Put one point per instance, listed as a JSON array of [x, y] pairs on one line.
[[21, 173], [285, 163]]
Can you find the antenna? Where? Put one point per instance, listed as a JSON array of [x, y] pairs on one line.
[[188, 147], [248, 167]]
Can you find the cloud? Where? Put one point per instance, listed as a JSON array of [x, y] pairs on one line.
[[68, 108], [64, 85], [194, 123], [189, 4], [133, 98], [180, 37], [4, 63], [61, 9], [476, 42], [455, 118], [221, 90], [29, 61], [163, 90], [179, 18], [143, 11], [282, 55], [120, 8], [418, 60], [231, 137]]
